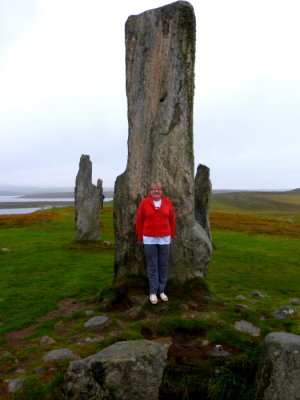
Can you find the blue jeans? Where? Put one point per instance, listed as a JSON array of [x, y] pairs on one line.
[[157, 259]]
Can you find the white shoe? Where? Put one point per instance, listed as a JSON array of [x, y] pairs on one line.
[[164, 297], [153, 298]]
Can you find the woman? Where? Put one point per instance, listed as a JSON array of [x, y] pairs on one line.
[[155, 227]]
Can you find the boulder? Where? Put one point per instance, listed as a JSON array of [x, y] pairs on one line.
[[97, 322], [247, 327], [14, 384], [278, 374], [284, 312], [88, 200], [123, 371], [202, 197]]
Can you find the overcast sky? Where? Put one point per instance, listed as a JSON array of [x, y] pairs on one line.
[[62, 90]]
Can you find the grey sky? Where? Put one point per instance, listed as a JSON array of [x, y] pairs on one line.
[[62, 90]]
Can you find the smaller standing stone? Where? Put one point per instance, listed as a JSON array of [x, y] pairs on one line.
[[88, 200], [202, 198]]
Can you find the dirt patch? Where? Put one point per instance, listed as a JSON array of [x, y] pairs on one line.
[[66, 308]]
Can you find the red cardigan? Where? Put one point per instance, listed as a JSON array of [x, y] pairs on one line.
[[152, 222]]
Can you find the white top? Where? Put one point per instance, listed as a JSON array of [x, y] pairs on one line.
[[157, 239], [157, 203]]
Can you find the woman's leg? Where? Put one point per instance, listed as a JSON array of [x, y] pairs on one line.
[[163, 266], [151, 253]]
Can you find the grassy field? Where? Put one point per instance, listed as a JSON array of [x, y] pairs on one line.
[[45, 273]]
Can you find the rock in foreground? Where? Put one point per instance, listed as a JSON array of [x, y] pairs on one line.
[[278, 375], [124, 371]]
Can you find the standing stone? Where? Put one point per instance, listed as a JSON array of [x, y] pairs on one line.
[[278, 374], [88, 198], [202, 197], [160, 56]]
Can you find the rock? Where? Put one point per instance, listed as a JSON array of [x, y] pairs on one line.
[[117, 333], [278, 374], [96, 322], [89, 312], [5, 250], [14, 384], [138, 299], [160, 55], [240, 297], [241, 306], [88, 200], [202, 198], [133, 313], [20, 371], [245, 326], [60, 354], [284, 311], [92, 339], [295, 302], [258, 294], [47, 340], [124, 371], [219, 354], [200, 342]]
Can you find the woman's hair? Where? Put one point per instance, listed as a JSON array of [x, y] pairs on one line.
[[157, 183]]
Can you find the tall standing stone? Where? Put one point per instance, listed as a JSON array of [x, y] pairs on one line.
[[202, 197], [88, 198], [160, 56]]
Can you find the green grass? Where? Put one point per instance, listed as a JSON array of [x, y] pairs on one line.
[[243, 263], [44, 265]]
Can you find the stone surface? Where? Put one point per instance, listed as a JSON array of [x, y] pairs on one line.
[[60, 354], [284, 312], [202, 197], [14, 384], [124, 371], [88, 200], [45, 340], [278, 374], [160, 55], [240, 297], [295, 302], [258, 294], [96, 322], [133, 313], [219, 354], [245, 326]]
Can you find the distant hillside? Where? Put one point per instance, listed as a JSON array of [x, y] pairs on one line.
[[281, 202], [62, 195]]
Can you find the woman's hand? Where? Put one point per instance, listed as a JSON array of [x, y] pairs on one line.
[[140, 243]]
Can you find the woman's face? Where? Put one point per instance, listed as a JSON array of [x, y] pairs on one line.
[[156, 192]]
